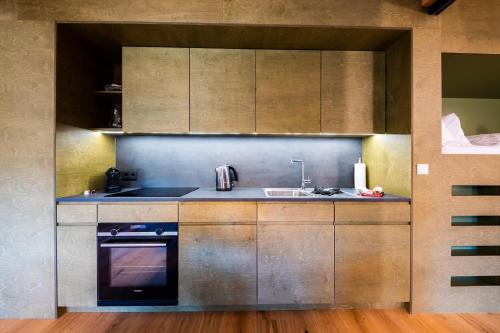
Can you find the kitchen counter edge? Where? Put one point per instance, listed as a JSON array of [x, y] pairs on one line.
[[237, 194]]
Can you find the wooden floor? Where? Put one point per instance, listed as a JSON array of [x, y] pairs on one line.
[[321, 321]]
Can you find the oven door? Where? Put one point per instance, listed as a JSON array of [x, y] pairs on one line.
[[137, 271]]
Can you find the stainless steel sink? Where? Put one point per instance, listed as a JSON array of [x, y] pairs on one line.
[[287, 192]]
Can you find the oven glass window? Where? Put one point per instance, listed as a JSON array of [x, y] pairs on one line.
[[138, 267]]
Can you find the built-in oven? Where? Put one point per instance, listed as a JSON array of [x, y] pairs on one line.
[[137, 264]]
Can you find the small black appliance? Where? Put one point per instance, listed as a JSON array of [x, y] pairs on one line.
[[113, 181]]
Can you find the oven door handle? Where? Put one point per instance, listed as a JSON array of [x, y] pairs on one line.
[[133, 245]]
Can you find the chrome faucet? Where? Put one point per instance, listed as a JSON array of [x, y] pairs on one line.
[[304, 181]]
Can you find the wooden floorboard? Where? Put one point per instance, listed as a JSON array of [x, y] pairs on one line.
[[309, 321]]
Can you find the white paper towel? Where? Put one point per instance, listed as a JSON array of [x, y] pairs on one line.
[[360, 175]]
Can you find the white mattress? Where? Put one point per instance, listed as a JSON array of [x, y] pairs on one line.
[[478, 150]]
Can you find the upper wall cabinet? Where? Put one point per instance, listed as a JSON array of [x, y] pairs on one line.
[[156, 89], [352, 92], [222, 93], [288, 91]]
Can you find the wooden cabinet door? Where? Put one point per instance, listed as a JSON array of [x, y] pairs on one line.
[[155, 89], [77, 265], [217, 265], [352, 92], [222, 91], [372, 264], [288, 91], [295, 264]]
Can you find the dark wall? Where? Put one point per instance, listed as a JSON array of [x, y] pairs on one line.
[[260, 161]]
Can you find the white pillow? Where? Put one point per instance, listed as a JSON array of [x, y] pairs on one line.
[[451, 132]]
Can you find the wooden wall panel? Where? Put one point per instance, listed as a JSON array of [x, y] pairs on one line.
[[352, 92], [77, 70], [222, 91], [288, 91], [27, 205], [8, 10], [385, 13], [217, 265], [155, 89], [82, 158], [430, 193], [471, 27], [122, 11], [398, 86]]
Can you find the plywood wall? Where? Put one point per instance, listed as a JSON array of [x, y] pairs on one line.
[[368, 13], [27, 205], [388, 163], [27, 157], [82, 158], [471, 26]]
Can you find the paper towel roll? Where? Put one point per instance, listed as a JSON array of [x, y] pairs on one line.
[[359, 175]]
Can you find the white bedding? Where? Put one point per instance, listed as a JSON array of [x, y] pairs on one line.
[[454, 140], [477, 150]]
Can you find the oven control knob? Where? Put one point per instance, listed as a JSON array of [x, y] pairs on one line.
[[115, 232], [159, 231]]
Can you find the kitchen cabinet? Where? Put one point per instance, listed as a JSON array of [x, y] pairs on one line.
[[222, 90], [295, 252], [77, 265], [296, 264], [288, 91], [130, 212], [217, 265], [155, 89], [352, 92], [372, 253]]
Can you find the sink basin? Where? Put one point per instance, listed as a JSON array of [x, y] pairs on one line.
[[287, 192]]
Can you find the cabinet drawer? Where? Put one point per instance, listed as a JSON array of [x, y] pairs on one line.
[[372, 212], [304, 212], [218, 212], [138, 212], [77, 213]]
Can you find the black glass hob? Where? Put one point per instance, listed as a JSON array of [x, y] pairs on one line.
[[148, 192]]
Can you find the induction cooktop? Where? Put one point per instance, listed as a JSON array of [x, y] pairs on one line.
[[168, 192]]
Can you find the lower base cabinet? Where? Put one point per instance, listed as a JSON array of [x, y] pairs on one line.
[[296, 264], [217, 265], [372, 264], [76, 266]]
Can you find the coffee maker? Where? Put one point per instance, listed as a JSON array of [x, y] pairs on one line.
[[113, 178]]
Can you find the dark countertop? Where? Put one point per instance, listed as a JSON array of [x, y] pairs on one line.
[[237, 194]]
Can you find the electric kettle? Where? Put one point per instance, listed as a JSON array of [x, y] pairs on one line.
[[224, 177]]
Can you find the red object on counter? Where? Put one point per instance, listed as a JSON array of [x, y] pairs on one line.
[[372, 194]]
